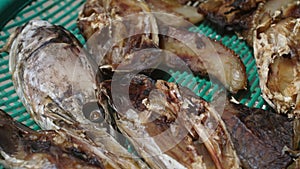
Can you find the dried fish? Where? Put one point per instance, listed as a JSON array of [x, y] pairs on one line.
[[21, 147], [98, 14], [114, 42], [54, 78], [114, 29], [168, 127], [272, 28], [186, 13], [259, 136], [230, 15], [275, 44], [205, 56]]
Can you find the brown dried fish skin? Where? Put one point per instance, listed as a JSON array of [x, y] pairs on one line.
[[231, 15], [272, 28], [259, 136], [243, 17], [21, 147], [161, 116]]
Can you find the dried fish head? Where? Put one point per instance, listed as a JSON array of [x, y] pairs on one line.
[[54, 77], [50, 73]]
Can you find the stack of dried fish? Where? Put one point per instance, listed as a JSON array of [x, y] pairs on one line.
[[113, 33], [168, 126], [183, 131], [272, 28]]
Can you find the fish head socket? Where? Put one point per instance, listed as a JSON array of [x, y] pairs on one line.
[[93, 112]]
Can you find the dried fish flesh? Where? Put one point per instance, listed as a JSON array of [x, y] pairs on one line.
[[21, 147], [242, 16], [275, 44], [54, 78], [272, 28], [225, 65], [114, 29], [184, 12], [204, 55], [259, 136], [168, 128], [98, 14]]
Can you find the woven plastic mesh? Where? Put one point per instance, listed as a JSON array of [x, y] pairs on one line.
[[65, 13]]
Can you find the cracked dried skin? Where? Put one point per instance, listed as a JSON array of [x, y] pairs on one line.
[[230, 15], [272, 28], [162, 115], [276, 44], [21, 147], [55, 80], [114, 29], [259, 136]]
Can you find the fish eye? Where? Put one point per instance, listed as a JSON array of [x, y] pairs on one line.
[[93, 112]]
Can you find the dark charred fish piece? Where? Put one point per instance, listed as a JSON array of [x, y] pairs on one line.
[[259, 136], [54, 77], [242, 17], [230, 14], [167, 127], [21, 147]]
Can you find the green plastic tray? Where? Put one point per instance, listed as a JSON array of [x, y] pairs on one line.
[[65, 12]]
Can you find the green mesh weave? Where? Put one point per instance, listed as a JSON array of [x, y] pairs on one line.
[[65, 13]]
